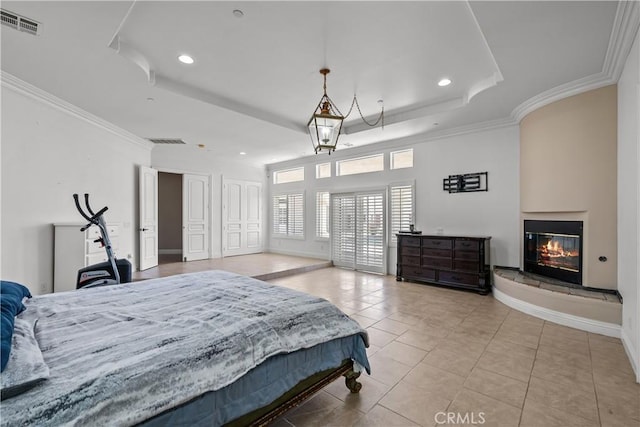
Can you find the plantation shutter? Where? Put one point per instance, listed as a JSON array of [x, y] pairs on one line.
[[370, 232], [296, 215], [343, 236], [322, 214], [402, 204], [288, 215], [280, 214]]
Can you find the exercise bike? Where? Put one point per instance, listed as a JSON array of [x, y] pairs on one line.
[[111, 272]]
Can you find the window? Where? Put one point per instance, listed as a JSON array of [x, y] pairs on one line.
[[402, 208], [373, 163], [323, 170], [322, 214], [288, 215], [402, 159], [289, 175]]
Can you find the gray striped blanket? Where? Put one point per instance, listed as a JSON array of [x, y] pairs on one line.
[[120, 354]]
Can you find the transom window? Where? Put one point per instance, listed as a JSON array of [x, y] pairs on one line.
[[373, 163], [288, 175], [323, 170], [402, 159]]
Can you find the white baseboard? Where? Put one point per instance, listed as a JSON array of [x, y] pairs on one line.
[[632, 353], [582, 323], [169, 251]]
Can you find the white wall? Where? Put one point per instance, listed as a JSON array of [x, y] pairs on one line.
[[494, 213], [192, 159], [629, 202], [49, 153]]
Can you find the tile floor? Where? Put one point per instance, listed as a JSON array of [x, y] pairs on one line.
[[438, 352]]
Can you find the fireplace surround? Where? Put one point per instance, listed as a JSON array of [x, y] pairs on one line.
[[554, 249]]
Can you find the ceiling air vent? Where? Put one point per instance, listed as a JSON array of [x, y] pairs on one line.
[[18, 22], [167, 141]]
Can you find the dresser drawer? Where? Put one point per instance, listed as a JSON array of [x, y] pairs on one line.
[[409, 241], [418, 273], [410, 250], [437, 243], [467, 245], [410, 260], [462, 278], [467, 255], [436, 262], [471, 266], [438, 253]]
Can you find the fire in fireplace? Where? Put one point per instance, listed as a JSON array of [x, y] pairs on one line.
[[554, 249]]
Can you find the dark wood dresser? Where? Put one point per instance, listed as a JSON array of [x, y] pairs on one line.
[[455, 261]]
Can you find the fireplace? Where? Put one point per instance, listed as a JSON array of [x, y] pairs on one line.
[[554, 249]]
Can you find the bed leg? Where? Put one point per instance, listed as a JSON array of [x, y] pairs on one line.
[[350, 378]]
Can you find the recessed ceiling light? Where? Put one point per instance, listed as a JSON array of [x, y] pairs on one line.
[[238, 13], [185, 59], [444, 82], [150, 99], [242, 153]]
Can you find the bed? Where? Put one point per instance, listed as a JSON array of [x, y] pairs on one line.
[[208, 348]]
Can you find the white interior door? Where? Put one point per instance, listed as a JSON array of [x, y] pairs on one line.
[[195, 217], [241, 217], [148, 206], [358, 231]]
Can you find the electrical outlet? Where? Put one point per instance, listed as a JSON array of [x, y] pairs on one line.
[[43, 288]]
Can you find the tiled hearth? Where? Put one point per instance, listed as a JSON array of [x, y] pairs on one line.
[[554, 285], [594, 310]]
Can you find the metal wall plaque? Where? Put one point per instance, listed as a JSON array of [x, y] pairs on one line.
[[466, 183]]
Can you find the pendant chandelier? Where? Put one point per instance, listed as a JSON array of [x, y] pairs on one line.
[[326, 122]]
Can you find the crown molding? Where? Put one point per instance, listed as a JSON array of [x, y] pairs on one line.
[[11, 82], [623, 33]]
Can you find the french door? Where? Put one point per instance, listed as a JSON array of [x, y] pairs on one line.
[[358, 231]]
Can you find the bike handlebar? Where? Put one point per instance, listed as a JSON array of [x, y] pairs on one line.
[[86, 202], [93, 219]]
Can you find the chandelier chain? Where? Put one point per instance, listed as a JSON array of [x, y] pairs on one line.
[[355, 102]]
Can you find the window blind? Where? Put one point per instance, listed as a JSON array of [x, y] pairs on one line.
[[288, 215], [343, 238], [322, 214], [370, 231], [402, 208]]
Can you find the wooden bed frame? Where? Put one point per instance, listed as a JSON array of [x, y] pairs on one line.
[[301, 392]]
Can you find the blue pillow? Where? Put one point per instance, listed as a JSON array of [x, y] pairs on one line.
[[11, 296]]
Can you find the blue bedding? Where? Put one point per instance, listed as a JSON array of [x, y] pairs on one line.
[[120, 355], [262, 385]]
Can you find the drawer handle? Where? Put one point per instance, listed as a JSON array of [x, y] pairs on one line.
[[466, 244], [437, 243], [456, 278]]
